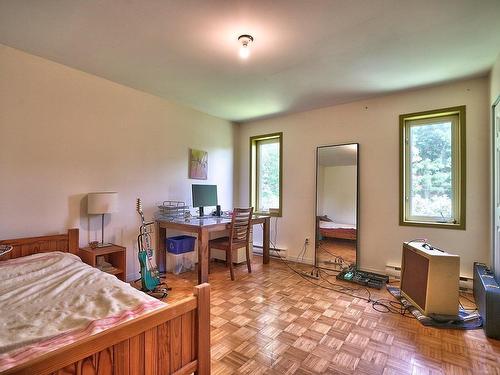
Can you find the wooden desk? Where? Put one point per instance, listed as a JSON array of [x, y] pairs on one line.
[[203, 227]]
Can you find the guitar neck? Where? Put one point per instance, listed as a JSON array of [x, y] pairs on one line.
[[139, 210]]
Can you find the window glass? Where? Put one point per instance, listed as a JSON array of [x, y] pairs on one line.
[[268, 175], [266, 162], [431, 181]]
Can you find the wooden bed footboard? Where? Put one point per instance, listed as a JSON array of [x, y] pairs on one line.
[[172, 340], [342, 233]]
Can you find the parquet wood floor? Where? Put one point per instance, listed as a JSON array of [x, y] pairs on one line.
[[274, 322]]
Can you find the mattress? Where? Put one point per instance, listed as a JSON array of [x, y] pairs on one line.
[[334, 225], [53, 299]]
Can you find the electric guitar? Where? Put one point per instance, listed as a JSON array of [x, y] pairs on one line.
[[150, 277]]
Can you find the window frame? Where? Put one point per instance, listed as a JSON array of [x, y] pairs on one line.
[[254, 173], [406, 121]]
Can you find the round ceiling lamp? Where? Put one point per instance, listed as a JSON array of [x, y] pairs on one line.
[[245, 41]]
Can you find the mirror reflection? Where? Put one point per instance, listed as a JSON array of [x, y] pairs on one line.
[[336, 206]]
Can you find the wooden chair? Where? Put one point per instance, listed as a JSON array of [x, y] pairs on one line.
[[238, 237]]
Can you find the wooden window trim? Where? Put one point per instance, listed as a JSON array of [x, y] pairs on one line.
[[459, 150], [253, 190]]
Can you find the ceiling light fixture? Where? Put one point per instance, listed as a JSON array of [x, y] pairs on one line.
[[245, 41]]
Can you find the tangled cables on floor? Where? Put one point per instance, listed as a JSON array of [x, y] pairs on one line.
[[381, 305]]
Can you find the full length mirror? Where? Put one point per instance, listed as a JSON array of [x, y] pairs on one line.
[[337, 229]]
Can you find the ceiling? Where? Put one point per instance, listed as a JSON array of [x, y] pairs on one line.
[[307, 53]]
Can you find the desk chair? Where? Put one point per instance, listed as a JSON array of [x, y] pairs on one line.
[[238, 237]]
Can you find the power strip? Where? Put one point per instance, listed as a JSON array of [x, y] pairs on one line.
[[313, 274]]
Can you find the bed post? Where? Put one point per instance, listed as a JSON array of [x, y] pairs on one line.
[[202, 292], [73, 240]]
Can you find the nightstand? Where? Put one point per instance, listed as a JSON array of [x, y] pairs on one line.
[[113, 254]]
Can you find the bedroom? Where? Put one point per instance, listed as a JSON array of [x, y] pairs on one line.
[[91, 101]]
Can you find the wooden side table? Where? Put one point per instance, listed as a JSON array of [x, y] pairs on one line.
[[114, 254]]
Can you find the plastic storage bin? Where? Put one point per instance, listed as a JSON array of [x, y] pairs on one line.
[[179, 263], [180, 244]]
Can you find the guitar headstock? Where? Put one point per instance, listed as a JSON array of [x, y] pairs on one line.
[[138, 206]]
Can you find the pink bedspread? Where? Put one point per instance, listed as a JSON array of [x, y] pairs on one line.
[[51, 300]]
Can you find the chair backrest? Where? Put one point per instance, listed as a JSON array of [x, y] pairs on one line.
[[240, 224]]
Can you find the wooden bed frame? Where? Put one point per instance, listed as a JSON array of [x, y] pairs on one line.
[[342, 233], [172, 340]]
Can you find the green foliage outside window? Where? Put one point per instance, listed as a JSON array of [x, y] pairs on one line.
[[266, 163], [269, 175], [431, 170]]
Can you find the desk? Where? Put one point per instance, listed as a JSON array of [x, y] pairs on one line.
[[203, 227]]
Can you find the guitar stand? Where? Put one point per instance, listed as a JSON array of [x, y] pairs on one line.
[[160, 292]]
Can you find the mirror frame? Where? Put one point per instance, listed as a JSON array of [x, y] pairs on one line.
[[316, 227]]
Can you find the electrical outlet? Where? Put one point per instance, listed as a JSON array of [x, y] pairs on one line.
[[306, 241]]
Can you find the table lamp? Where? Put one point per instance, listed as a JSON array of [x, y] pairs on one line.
[[100, 204]]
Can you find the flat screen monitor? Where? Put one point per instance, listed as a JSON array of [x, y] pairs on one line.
[[204, 196]]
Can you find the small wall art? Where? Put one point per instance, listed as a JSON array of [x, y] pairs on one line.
[[198, 164]]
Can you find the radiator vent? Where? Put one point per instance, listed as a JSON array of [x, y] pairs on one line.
[[393, 271], [257, 249]]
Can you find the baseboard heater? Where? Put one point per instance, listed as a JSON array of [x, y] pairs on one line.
[[487, 296], [464, 283], [258, 249], [273, 253]]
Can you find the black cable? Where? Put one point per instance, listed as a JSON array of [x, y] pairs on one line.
[[320, 285], [336, 257], [343, 289], [393, 307], [327, 270], [338, 288], [302, 252]]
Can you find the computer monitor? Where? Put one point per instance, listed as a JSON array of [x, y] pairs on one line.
[[203, 196]]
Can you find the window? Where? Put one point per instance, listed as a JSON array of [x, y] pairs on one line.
[[265, 173], [432, 189]]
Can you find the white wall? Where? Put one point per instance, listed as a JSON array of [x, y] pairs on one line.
[[320, 185], [64, 133], [374, 124], [339, 194]]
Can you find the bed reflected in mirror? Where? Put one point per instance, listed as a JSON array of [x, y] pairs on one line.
[[337, 206]]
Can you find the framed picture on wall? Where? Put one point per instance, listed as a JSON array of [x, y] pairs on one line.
[[198, 164]]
